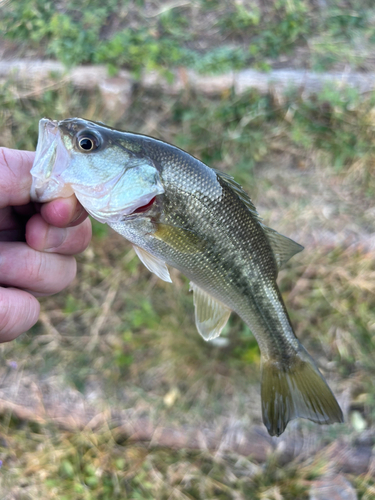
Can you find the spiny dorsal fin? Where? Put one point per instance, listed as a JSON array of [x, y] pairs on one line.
[[210, 315], [283, 247], [153, 264], [244, 197]]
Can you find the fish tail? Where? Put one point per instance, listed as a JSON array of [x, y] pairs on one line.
[[296, 389]]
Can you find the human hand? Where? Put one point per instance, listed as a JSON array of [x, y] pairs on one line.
[[36, 244]]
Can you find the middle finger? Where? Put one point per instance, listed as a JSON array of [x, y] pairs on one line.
[[40, 272], [68, 241]]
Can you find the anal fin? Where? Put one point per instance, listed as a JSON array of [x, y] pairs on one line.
[[153, 264], [210, 315]]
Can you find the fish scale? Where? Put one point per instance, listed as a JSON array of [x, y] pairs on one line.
[[177, 211]]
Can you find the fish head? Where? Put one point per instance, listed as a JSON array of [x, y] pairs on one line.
[[104, 168]]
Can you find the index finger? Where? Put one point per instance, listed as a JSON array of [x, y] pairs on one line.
[[15, 177]]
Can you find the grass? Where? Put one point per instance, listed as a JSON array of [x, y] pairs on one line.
[[89, 466], [210, 37], [230, 130], [124, 339]]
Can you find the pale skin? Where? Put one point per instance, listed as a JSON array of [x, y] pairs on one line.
[[37, 244]]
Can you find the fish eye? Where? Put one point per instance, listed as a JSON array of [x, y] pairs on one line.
[[88, 142]]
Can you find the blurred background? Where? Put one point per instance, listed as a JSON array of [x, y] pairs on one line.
[[113, 394]]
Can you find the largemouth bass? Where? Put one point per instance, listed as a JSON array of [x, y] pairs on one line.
[[177, 211]]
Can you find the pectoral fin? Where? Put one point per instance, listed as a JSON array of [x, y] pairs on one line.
[[210, 315], [153, 264]]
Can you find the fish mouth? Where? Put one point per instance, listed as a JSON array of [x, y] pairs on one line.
[[143, 208], [51, 159], [110, 195], [109, 210]]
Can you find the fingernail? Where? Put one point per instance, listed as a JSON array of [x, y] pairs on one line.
[[55, 238], [79, 217], [79, 214]]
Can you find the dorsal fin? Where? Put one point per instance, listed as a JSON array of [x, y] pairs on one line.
[[244, 197], [210, 315], [283, 248]]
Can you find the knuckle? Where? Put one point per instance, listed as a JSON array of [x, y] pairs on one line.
[[36, 267], [4, 157], [6, 180], [79, 238]]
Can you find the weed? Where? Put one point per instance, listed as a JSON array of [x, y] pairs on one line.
[[159, 37], [90, 466]]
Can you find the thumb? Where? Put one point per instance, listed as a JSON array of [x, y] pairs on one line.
[[15, 178]]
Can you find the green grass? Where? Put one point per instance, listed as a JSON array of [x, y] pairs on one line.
[[210, 37], [231, 132], [48, 463], [88, 466]]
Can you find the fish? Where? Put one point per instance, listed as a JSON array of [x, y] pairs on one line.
[[178, 212]]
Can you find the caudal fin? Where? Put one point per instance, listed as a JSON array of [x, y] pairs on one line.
[[296, 390]]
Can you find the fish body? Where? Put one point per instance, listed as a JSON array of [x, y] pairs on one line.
[[178, 212]]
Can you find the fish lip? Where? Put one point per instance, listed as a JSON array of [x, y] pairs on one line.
[[47, 131], [46, 127], [48, 158]]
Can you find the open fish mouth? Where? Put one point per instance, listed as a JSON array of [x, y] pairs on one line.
[[51, 160], [145, 208]]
